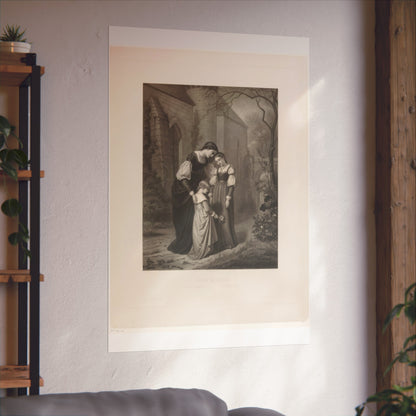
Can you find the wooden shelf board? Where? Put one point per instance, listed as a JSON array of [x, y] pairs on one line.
[[14, 79], [12, 71], [17, 276], [15, 376], [15, 69], [24, 175]]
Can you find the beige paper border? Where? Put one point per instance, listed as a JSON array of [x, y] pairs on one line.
[[160, 301]]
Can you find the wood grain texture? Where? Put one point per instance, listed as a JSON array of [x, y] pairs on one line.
[[17, 276], [22, 175], [395, 207], [15, 376], [12, 70]]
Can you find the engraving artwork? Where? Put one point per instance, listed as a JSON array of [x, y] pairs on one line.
[[210, 167]]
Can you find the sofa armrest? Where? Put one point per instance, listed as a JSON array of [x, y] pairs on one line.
[[253, 411]]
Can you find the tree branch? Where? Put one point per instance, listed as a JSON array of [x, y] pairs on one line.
[[256, 95], [264, 114]]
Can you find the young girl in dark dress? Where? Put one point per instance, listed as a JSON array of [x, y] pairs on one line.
[[188, 176]]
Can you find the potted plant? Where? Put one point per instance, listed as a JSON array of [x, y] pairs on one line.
[[12, 40], [11, 159], [399, 400]]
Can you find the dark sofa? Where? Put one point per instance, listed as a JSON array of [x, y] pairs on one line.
[[163, 402]]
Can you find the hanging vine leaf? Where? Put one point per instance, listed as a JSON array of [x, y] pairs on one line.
[[9, 156], [4, 155], [395, 402], [6, 128], [19, 237], [20, 157], [24, 232], [410, 305], [11, 207], [394, 312], [14, 239], [408, 340], [26, 251], [9, 170], [10, 160], [410, 292]]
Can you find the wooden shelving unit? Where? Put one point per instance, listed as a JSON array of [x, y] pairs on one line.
[[20, 70]]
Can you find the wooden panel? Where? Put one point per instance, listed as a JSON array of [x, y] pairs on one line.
[[17, 276], [395, 177], [15, 376]]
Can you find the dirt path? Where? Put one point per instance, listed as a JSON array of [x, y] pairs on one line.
[[249, 253], [156, 256]]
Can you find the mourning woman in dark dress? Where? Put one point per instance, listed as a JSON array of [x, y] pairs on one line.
[[188, 176]]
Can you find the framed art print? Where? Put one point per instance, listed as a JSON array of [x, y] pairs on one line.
[[208, 185]]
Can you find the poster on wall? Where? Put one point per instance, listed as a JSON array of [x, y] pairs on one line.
[[208, 190]]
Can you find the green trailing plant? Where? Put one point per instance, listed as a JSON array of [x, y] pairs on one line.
[[11, 159], [398, 400], [13, 33]]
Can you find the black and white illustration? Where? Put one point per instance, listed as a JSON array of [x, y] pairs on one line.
[[210, 177]]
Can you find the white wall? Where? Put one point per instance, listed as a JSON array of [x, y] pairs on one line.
[[332, 374]]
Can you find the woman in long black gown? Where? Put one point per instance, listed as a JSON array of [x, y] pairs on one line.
[[189, 174]]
